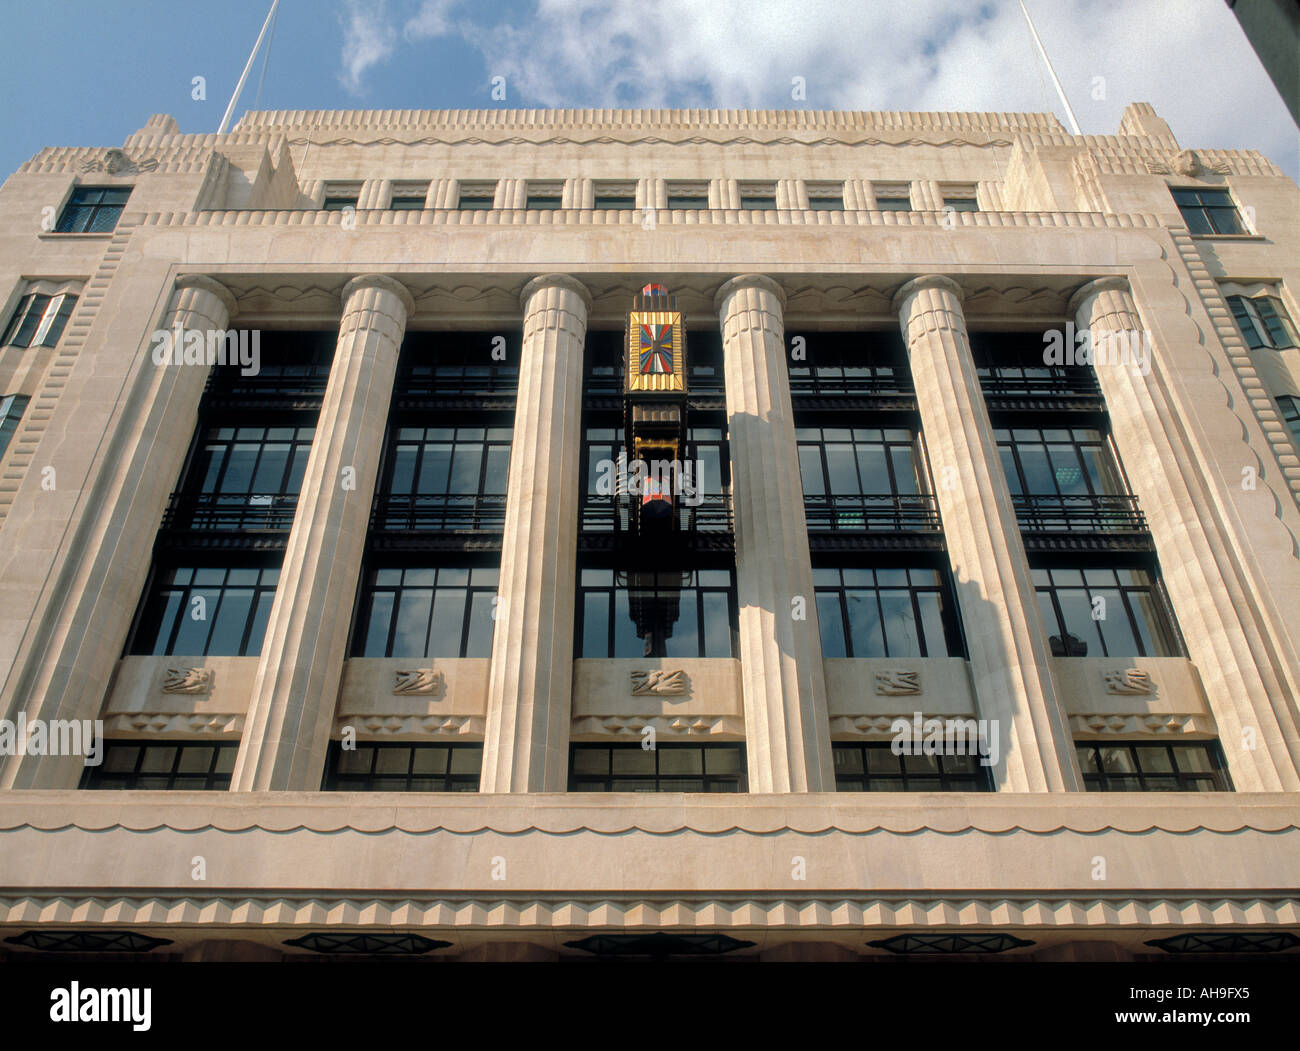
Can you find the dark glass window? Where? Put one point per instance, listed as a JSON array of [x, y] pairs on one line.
[[900, 203], [886, 612], [1059, 461], [1263, 322], [442, 611], [1013, 363], [861, 363], [603, 445], [340, 202], [543, 202], [249, 476], [843, 461], [757, 202], [403, 768], [182, 766], [215, 611], [1208, 211], [961, 204], [873, 767], [1141, 767], [11, 412], [39, 320], [825, 201], [407, 204], [1287, 405], [93, 209], [615, 202], [688, 202], [701, 603], [1105, 612], [451, 363], [475, 202], [667, 768], [294, 365], [446, 478]]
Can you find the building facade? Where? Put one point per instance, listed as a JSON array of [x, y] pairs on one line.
[[306, 524]]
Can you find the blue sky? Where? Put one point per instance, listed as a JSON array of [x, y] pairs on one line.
[[120, 60]]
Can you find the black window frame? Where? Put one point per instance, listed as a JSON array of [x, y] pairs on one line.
[[12, 407], [1288, 407], [961, 203], [339, 202], [88, 208], [1011, 450], [1204, 208], [954, 773], [449, 510], [1260, 332], [729, 782], [224, 754], [954, 643], [336, 779], [407, 203], [1165, 632], [483, 579], [153, 606], [1097, 779]]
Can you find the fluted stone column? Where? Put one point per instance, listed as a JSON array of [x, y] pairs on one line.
[[787, 724], [76, 639], [1218, 590], [287, 730], [526, 740], [1005, 633]]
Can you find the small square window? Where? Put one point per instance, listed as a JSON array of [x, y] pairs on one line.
[[961, 204], [615, 196], [339, 203], [407, 204], [39, 320], [93, 209], [1208, 211], [825, 196], [476, 196], [688, 196], [757, 197], [1263, 322], [544, 197]]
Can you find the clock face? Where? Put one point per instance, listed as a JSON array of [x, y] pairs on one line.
[[656, 353]]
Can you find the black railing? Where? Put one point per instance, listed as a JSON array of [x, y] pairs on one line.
[[887, 512], [231, 512], [610, 382], [273, 381], [440, 380], [1047, 382], [1079, 514], [442, 513], [612, 514], [861, 381]]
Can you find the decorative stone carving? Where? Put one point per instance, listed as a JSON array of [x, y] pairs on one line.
[[1129, 681], [187, 680], [898, 682], [417, 681], [116, 162], [659, 683], [630, 726]]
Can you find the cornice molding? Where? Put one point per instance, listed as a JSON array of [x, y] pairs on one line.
[[838, 913]]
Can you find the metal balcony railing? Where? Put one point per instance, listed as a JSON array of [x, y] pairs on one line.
[[441, 513], [887, 513], [850, 380], [1040, 383], [273, 381], [1079, 514], [231, 512], [612, 514], [443, 380]]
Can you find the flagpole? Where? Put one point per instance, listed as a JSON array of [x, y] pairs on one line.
[[225, 120], [1074, 123]]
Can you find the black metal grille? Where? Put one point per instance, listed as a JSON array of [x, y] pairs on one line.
[[231, 512], [612, 514], [885, 512], [1079, 514], [440, 513]]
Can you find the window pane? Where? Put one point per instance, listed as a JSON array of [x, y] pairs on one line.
[[414, 608], [867, 638], [717, 624], [831, 623], [448, 622], [479, 643], [376, 630], [899, 624]]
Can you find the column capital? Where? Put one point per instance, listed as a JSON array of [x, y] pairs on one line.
[[382, 282], [762, 281], [213, 287], [920, 284], [1114, 283], [565, 281]]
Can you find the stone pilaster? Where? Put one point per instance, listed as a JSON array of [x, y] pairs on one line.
[[72, 646], [1005, 635], [526, 741], [288, 726], [1218, 590], [787, 725]]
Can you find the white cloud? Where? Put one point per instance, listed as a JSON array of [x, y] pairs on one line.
[[1186, 57], [368, 40]]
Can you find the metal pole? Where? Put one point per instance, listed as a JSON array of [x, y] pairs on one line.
[[1074, 123], [225, 120]]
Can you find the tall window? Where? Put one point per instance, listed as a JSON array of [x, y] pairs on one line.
[[885, 612], [855, 363], [1208, 211], [11, 412], [214, 611], [1012, 363], [1105, 612], [93, 209], [699, 603], [863, 478], [1059, 461], [446, 478], [249, 476], [1263, 322], [430, 611]]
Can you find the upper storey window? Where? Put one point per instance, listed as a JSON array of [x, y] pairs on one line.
[[409, 197], [93, 209], [1263, 321], [476, 196], [758, 196], [615, 196], [688, 196], [826, 196], [893, 196], [1208, 211], [545, 196], [11, 411], [960, 199], [39, 320]]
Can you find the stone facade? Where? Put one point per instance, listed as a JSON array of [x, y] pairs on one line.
[[230, 231]]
